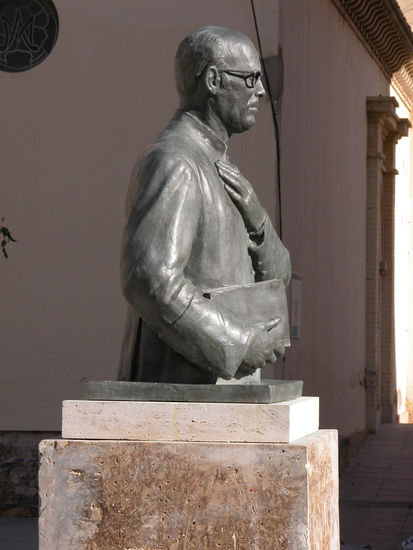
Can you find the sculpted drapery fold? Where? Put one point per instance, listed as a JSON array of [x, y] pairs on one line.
[[184, 235]]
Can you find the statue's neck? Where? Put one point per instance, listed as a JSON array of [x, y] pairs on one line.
[[209, 117]]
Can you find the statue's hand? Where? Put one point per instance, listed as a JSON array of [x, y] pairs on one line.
[[263, 346], [243, 196]]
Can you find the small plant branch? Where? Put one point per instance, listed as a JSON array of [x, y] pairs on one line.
[[6, 238]]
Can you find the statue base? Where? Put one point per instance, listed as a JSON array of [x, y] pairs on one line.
[[181, 421], [269, 391], [141, 475], [144, 495]]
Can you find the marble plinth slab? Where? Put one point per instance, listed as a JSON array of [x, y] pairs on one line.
[[135, 495], [269, 391], [171, 421]]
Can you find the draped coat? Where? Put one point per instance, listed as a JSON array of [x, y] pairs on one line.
[[183, 236]]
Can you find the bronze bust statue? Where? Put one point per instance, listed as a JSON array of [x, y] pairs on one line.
[[194, 223]]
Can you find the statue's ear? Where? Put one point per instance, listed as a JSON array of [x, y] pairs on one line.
[[212, 79]]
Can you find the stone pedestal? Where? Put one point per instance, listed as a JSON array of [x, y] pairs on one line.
[[191, 476], [116, 494], [171, 421]]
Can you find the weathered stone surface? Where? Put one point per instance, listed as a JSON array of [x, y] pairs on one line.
[[170, 421], [129, 495], [270, 391], [323, 488]]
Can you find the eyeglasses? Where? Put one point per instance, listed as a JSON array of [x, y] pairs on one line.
[[250, 79]]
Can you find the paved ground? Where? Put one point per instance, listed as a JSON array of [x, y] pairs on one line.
[[376, 491], [376, 496]]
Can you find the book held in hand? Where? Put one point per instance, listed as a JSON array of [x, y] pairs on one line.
[[256, 302]]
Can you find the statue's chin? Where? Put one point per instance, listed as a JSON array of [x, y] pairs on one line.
[[250, 122], [247, 123]]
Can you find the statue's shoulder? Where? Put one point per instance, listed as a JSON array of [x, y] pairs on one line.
[[176, 146], [179, 136], [171, 166]]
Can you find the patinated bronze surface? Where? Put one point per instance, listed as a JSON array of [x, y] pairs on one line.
[[271, 391], [194, 223]]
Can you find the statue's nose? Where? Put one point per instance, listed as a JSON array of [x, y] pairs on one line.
[[259, 89]]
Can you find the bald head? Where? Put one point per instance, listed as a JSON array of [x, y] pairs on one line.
[[202, 48]]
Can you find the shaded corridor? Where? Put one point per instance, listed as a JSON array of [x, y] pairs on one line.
[[376, 490]]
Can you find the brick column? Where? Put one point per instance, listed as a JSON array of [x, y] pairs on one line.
[[384, 129]]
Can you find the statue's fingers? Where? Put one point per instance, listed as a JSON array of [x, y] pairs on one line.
[[228, 171], [226, 165], [232, 193], [235, 171], [226, 174], [232, 170], [231, 180]]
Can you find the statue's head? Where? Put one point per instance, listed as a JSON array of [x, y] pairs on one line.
[[219, 67]]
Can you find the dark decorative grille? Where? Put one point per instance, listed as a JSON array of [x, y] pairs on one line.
[[28, 32]]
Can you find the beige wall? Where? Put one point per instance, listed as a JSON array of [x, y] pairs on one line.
[[70, 132], [69, 137], [328, 74]]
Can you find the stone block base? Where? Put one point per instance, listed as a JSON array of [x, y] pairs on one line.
[[176, 421], [147, 495]]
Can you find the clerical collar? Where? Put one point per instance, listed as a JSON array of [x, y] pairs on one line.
[[207, 133]]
